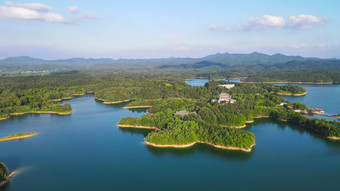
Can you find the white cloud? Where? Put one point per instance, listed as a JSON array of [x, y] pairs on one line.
[[263, 22], [303, 22], [31, 6], [88, 15], [300, 22], [73, 9], [30, 11], [182, 48]]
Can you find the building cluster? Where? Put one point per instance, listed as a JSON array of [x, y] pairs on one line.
[[224, 98]]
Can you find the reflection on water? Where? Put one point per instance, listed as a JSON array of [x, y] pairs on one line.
[[136, 131], [138, 110], [229, 155]]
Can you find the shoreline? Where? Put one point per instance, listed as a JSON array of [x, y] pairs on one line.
[[333, 138], [43, 112], [79, 94], [112, 102], [192, 144], [4, 118], [63, 98], [215, 79], [8, 178], [38, 112], [236, 127], [284, 94], [136, 107], [239, 127], [115, 102], [73, 96], [138, 127], [21, 137], [320, 83]]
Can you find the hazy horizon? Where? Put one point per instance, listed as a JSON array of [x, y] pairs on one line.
[[154, 57]]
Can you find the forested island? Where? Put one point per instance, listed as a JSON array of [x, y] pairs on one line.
[[164, 94]]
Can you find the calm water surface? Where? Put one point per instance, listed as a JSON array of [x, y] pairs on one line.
[[87, 151], [325, 97]]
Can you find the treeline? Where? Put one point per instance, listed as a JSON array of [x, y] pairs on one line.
[[317, 76], [261, 88]]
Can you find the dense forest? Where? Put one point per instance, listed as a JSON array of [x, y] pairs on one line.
[[165, 94], [211, 119], [319, 76], [41, 93]]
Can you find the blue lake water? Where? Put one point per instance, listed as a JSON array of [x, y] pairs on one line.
[[325, 97], [87, 151]]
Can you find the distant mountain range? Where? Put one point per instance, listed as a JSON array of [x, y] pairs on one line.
[[201, 64], [225, 59], [254, 62]]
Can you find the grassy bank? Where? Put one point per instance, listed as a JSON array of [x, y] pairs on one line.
[[17, 136]]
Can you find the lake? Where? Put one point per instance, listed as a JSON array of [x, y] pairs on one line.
[[87, 151]]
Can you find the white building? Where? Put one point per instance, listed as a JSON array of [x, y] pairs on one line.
[[228, 86]]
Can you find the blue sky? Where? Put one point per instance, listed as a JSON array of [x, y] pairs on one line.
[[181, 28]]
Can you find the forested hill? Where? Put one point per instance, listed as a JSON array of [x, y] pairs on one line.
[[225, 58], [197, 65], [314, 71], [229, 60], [25, 65], [256, 66], [251, 59]]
